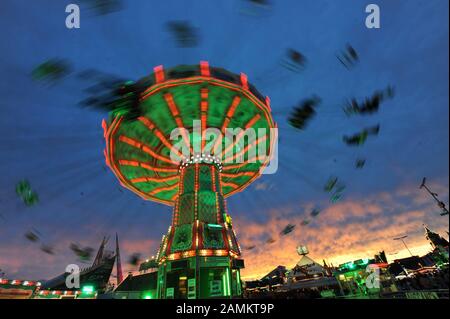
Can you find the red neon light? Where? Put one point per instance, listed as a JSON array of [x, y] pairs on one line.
[[213, 175], [106, 158], [159, 73], [144, 148], [204, 106], [162, 189], [152, 127], [196, 189], [231, 167], [204, 93], [171, 103], [234, 175], [153, 179], [268, 102], [204, 68], [146, 166], [176, 114], [217, 209], [232, 109], [249, 124], [204, 113], [232, 185], [105, 128], [247, 147], [230, 113], [244, 81]]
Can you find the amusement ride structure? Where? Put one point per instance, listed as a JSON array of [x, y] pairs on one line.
[[193, 171]]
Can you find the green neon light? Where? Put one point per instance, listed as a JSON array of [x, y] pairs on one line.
[[227, 276], [214, 226], [224, 280], [238, 276], [148, 296], [88, 289]]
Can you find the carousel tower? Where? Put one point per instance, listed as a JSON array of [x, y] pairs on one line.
[[193, 171]]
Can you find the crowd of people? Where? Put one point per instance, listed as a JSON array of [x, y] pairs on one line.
[[435, 280], [291, 294]]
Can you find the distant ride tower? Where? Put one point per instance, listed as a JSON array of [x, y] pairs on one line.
[[436, 241], [199, 257]]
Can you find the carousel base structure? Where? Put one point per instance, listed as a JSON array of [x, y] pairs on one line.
[[200, 278]]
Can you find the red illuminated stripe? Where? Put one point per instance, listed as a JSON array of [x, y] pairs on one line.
[[204, 106], [228, 184], [146, 166], [171, 103], [196, 182], [144, 148], [204, 68], [252, 121], [105, 128], [246, 148], [182, 182], [204, 93], [204, 114], [231, 110], [231, 167], [234, 175], [230, 113], [105, 153], [213, 175], [244, 81], [203, 121], [153, 179], [163, 189], [249, 124], [268, 102], [168, 97], [217, 208], [152, 127], [159, 73], [196, 189], [176, 212]]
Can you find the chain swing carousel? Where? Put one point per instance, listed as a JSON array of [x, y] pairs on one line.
[[199, 257]]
